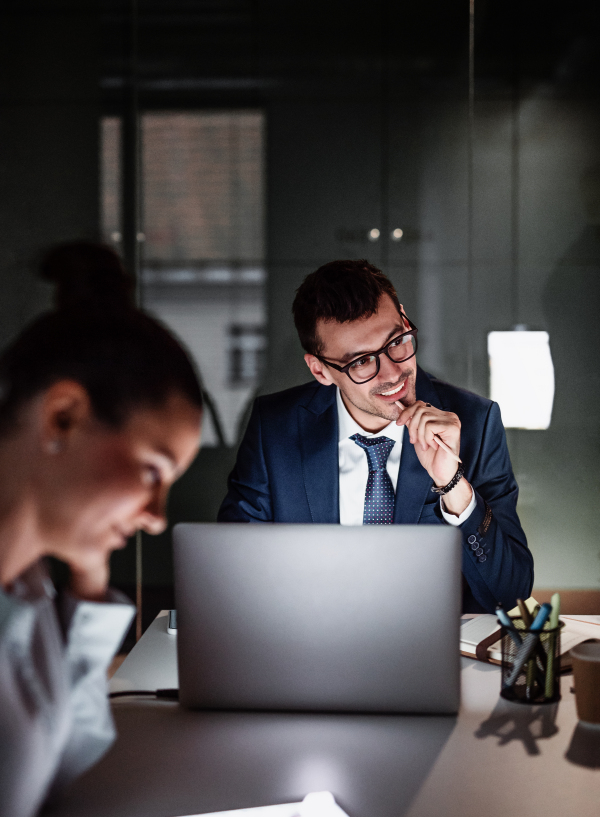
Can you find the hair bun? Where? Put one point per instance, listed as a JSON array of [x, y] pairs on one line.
[[88, 276]]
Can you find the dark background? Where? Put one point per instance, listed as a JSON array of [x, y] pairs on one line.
[[367, 122]]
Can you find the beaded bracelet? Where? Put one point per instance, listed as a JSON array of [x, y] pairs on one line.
[[453, 482]]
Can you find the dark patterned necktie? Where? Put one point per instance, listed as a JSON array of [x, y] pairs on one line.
[[379, 496]]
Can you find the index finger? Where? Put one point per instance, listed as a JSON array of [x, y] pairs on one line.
[[406, 411]]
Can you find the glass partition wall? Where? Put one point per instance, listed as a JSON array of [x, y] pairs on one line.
[[201, 244], [454, 144]]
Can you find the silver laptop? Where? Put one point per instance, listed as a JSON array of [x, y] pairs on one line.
[[318, 617]]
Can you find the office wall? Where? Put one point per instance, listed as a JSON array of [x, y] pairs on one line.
[[50, 103], [367, 127], [384, 148]]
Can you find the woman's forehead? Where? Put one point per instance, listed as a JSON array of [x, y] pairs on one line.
[[170, 428]]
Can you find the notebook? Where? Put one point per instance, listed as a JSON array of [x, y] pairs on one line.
[[485, 628], [318, 617]]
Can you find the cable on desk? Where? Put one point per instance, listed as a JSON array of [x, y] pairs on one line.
[[172, 694]]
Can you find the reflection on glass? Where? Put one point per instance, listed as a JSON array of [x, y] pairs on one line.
[[202, 187], [110, 179], [246, 353], [202, 243]]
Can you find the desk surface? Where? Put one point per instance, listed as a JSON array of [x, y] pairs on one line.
[[494, 759]]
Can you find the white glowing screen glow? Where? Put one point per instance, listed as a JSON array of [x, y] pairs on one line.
[[522, 378], [315, 804]]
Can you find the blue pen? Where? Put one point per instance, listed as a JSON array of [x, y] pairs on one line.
[[529, 644], [506, 622], [508, 625], [541, 618]]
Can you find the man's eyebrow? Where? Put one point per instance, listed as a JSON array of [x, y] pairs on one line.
[[398, 329]]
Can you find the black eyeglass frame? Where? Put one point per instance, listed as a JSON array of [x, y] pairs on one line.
[[384, 350]]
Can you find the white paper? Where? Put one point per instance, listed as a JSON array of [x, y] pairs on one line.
[[473, 631], [574, 632]]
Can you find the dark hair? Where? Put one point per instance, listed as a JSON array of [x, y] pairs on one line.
[[123, 358], [340, 291]]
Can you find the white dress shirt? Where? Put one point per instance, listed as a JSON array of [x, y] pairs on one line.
[[354, 468], [55, 718]]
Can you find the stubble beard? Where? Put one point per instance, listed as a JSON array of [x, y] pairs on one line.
[[386, 411]]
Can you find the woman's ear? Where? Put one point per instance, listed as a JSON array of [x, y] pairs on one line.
[[65, 408], [318, 369]]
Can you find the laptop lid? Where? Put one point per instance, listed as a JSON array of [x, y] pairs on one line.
[[318, 617]]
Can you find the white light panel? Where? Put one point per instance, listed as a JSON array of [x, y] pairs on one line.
[[522, 378]]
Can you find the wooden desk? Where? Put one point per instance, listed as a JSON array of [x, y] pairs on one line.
[[495, 759]]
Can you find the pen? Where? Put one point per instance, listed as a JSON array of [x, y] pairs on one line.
[[504, 619], [525, 614], [530, 642], [438, 440], [555, 600], [533, 668], [531, 664]]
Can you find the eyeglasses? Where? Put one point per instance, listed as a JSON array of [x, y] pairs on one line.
[[366, 367]]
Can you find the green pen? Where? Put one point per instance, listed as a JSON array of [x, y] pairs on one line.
[[531, 666], [553, 623]]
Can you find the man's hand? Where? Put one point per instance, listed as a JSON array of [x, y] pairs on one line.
[[422, 421], [91, 583]]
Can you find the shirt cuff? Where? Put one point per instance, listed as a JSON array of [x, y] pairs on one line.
[[95, 627], [458, 520]]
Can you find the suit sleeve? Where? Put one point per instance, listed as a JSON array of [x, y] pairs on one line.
[[248, 491], [497, 564]]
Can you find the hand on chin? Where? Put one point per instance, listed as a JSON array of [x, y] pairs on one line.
[[89, 577]]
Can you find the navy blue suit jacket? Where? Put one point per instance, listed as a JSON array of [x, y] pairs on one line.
[[287, 471]]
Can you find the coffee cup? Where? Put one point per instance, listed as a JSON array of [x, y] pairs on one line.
[[586, 671]]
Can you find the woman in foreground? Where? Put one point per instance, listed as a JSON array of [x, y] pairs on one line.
[[100, 412]]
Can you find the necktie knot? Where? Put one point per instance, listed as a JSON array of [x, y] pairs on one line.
[[377, 450]]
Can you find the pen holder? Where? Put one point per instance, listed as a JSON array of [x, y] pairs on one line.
[[530, 664]]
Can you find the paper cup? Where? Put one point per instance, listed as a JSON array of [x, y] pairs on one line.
[[586, 670]]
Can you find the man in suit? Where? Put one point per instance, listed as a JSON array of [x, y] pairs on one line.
[[360, 444]]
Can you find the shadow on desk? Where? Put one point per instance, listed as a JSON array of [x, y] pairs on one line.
[[584, 749], [168, 761], [527, 724]]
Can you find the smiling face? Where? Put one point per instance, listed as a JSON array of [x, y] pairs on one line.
[[371, 404], [101, 485]]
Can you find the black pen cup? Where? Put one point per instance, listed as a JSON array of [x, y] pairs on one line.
[[535, 679]]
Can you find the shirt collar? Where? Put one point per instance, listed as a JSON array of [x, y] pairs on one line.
[[348, 426], [33, 584]]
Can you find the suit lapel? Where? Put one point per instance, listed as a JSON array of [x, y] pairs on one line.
[[414, 483], [413, 486], [318, 427]]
